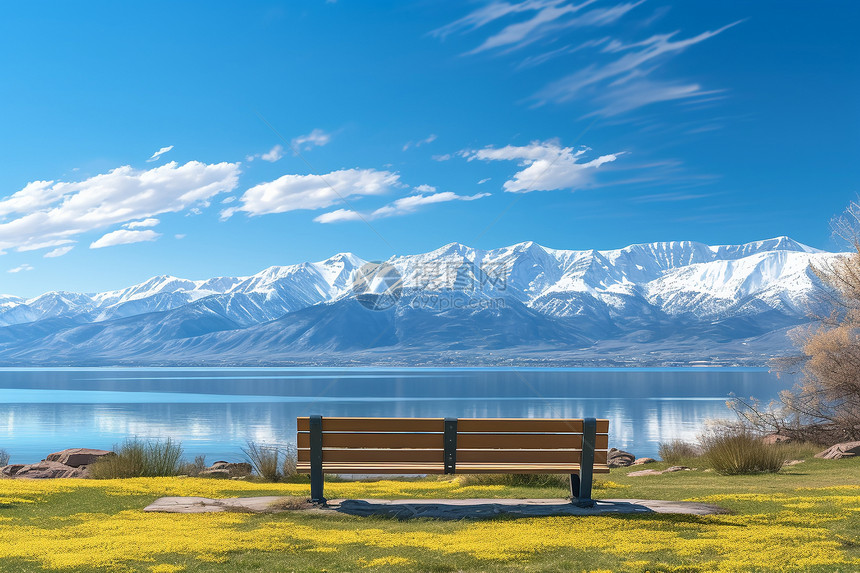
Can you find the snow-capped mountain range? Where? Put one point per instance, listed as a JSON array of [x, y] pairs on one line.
[[655, 302]]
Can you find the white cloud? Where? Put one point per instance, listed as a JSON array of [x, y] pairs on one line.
[[487, 14], [338, 216], [294, 192], [443, 157], [179, 236], [58, 252], [316, 138], [635, 94], [536, 60], [425, 189], [402, 206], [618, 81], [547, 165], [151, 222], [159, 153], [484, 180], [36, 245], [49, 213], [124, 237], [21, 268], [613, 83], [274, 154], [546, 20], [429, 139]]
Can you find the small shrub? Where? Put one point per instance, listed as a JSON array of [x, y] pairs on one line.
[[678, 452], [797, 450], [193, 469], [162, 458], [137, 458], [291, 503], [739, 451], [265, 460], [288, 467], [4, 458], [127, 463]]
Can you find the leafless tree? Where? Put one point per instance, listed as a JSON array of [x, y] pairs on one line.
[[825, 405]]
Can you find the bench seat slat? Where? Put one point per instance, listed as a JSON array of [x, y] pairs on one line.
[[368, 455], [374, 440], [359, 468], [479, 425], [522, 456], [375, 424], [527, 441], [522, 425], [482, 456], [417, 468], [465, 441]]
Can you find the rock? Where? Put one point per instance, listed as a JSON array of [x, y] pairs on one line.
[[771, 439], [215, 473], [49, 470], [658, 472], [619, 458], [839, 451], [676, 469], [77, 457], [645, 473], [446, 509], [10, 470], [227, 469], [641, 461]]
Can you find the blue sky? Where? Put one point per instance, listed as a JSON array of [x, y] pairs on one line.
[[292, 131]]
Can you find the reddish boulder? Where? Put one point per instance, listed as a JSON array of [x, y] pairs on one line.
[[839, 451], [47, 470], [771, 439], [77, 457], [619, 458]]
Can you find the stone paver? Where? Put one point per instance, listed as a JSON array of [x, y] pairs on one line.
[[440, 508]]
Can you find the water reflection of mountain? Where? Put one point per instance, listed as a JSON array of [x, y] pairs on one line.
[[216, 411]]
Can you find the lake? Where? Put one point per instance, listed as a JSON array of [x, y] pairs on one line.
[[215, 411]]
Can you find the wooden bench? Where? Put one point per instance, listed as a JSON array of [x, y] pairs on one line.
[[404, 446]]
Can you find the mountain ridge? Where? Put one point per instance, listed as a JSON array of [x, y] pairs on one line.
[[522, 300]]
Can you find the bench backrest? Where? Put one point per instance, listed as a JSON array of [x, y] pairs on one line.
[[493, 444]]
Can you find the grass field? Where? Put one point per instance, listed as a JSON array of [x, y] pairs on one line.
[[806, 518]]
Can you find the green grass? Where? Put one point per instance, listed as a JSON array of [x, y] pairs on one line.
[[782, 521]]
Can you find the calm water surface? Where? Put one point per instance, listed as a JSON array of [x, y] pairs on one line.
[[215, 411]]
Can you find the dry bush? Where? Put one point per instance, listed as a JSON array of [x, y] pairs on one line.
[[193, 469], [4, 458], [678, 452], [733, 452], [291, 504], [265, 460], [288, 466], [138, 458]]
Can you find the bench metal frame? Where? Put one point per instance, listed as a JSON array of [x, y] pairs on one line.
[[580, 483]]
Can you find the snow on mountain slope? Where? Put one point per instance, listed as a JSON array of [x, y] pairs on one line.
[[780, 279], [675, 278]]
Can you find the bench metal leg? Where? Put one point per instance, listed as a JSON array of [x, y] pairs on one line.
[[574, 486], [316, 460], [582, 496]]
